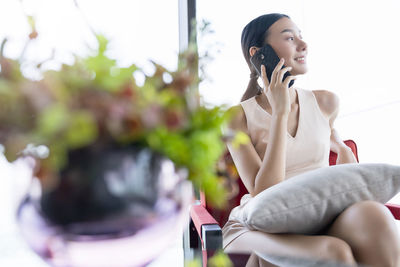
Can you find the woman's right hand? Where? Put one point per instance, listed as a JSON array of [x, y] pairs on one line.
[[277, 90]]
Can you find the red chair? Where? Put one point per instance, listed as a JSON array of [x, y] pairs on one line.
[[206, 222]]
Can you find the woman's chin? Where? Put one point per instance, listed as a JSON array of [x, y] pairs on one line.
[[299, 71]]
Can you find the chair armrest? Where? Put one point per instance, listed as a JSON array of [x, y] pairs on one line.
[[350, 143], [207, 227], [394, 209]]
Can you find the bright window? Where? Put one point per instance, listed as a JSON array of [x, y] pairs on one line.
[[352, 50]]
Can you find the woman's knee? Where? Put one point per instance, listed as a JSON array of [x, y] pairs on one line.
[[369, 228], [366, 217], [337, 250], [369, 209], [365, 223]]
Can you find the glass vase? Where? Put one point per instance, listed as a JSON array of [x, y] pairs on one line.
[[110, 206]]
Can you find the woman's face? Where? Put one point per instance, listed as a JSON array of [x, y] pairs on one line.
[[286, 39]]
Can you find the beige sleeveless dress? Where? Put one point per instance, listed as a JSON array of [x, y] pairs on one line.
[[307, 150]]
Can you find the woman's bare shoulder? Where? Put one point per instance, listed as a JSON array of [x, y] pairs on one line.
[[328, 102], [238, 121]]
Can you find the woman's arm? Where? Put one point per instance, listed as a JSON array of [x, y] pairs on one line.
[[272, 170], [257, 174], [329, 105], [344, 153]]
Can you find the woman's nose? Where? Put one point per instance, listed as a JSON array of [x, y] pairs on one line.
[[302, 45]]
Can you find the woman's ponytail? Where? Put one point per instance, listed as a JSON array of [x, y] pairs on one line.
[[252, 88]]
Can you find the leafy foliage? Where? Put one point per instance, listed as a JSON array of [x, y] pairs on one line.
[[94, 101], [220, 260]]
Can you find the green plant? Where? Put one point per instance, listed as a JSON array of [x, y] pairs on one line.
[[94, 101], [219, 259]]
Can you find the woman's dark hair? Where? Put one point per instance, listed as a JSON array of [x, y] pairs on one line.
[[254, 34]]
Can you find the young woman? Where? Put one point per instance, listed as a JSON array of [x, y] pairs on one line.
[[291, 132]]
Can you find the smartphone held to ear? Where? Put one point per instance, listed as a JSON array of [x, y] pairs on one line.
[[267, 56]]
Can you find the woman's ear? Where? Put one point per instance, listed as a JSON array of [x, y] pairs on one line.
[[253, 50]]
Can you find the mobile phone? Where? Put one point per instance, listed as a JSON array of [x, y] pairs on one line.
[[268, 57]]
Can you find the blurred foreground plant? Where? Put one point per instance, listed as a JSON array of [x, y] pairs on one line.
[[95, 102], [219, 259]]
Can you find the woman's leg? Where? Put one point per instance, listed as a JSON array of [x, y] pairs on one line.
[[370, 230], [255, 261], [302, 246]]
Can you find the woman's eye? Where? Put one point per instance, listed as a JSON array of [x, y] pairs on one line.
[[292, 38]]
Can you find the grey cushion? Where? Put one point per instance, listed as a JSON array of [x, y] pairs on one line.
[[307, 203]]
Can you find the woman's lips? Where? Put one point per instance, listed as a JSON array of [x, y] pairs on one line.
[[301, 60]]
